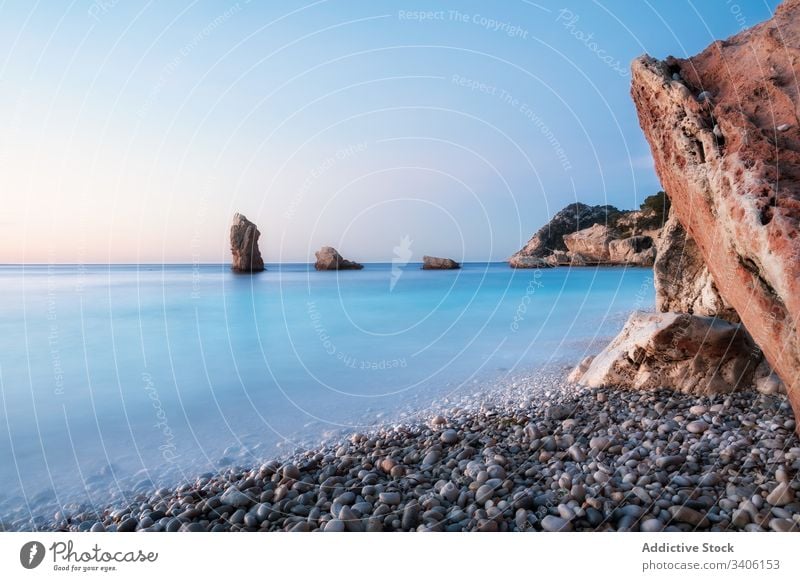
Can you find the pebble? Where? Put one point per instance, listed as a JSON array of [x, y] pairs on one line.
[[558, 412], [431, 458], [334, 526], [651, 525], [781, 495], [127, 526], [449, 437], [670, 461], [704, 96], [505, 465], [782, 525], [483, 494], [235, 498], [697, 427], [553, 524], [576, 453], [450, 492], [688, 515], [391, 498], [410, 516]]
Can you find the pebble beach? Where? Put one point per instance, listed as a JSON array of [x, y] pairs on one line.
[[537, 456]]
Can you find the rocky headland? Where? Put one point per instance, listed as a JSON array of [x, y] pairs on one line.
[[583, 235], [328, 258], [244, 246]]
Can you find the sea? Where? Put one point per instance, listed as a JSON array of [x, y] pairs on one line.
[[121, 378]]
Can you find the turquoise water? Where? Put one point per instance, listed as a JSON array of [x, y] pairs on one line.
[[128, 377]]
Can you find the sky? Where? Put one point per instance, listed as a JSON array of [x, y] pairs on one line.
[[131, 132]]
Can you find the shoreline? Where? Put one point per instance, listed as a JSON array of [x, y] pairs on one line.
[[542, 455]]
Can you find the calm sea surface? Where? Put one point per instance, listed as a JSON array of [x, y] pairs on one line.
[[128, 377]]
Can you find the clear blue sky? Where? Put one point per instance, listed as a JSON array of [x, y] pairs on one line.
[[132, 131]]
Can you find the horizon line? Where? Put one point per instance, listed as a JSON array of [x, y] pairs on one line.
[[2, 264]]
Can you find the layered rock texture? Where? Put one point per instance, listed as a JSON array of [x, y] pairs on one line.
[[436, 263], [244, 246], [328, 258], [683, 283], [723, 129], [581, 235], [700, 355]]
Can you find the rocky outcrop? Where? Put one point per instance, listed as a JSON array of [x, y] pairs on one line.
[[723, 129], [636, 250], [550, 237], [687, 353], [436, 263], [244, 245], [528, 262], [682, 281], [591, 243], [581, 235], [328, 258]]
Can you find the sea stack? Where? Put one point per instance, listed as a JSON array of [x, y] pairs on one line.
[[724, 134], [436, 263], [328, 258], [244, 246]]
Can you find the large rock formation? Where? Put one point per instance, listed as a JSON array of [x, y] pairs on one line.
[[682, 281], [581, 235], [591, 243], [436, 263], [700, 355], [723, 129], [328, 258], [636, 250], [244, 245], [574, 217]]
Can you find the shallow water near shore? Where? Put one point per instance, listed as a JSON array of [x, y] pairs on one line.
[[132, 377]]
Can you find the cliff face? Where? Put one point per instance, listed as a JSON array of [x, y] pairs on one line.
[[723, 129], [682, 281], [244, 245]]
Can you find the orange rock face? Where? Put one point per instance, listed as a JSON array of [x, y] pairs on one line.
[[724, 131]]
